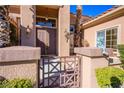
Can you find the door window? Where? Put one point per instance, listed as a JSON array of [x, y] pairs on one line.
[[45, 22]]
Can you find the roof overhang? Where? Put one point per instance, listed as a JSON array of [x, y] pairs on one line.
[[118, 12], [50, 6]]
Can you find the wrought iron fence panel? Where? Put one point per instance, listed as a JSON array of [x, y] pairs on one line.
[[60, 71]]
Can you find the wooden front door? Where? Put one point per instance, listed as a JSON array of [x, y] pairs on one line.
[[46, 39]]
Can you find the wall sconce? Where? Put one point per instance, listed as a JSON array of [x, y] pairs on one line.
[[28, 30], [67, 35], [46, 18]]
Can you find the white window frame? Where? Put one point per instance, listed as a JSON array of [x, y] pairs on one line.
[[48, 18], [104, 29]]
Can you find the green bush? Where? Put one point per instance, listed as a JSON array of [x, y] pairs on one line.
[[121, 51], [13, 36], [109, 77], [16, 83]]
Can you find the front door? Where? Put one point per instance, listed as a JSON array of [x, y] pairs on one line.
[[46, 39]]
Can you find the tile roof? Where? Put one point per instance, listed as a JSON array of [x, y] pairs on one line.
[[111, 9], [84, 18]]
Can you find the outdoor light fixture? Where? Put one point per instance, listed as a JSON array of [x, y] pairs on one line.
[[28, 30], [67, 35], [46, 18]]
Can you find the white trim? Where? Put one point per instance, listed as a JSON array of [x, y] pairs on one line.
[[118, 33], [96, 36], [48, 18], [105, 38], [104, 15], [38, 26], [59, 43]]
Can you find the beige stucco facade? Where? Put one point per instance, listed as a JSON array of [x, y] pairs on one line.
[[63, 27], [28, 14], [20, 62], [28, 18], [113, 19], [90, 33], [91, 59]]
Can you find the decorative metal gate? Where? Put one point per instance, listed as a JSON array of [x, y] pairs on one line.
[[60, 71]]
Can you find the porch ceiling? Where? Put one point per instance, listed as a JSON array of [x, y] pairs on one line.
[[49, 6], [47, 10]]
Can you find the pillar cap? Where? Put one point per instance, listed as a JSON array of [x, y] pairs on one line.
[[19, 53], [88, 51]]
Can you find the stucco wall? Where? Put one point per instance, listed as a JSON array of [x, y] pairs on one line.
[[90, 33], [91, 59], [28, 18], [63, 26], [19, 69], [20, 62]]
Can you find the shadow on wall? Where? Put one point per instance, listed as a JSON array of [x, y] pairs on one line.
[[26, 37], [43, 46], [46, 39]]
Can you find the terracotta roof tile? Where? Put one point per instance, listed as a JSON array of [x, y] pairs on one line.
[[84, 18], [113, 8]]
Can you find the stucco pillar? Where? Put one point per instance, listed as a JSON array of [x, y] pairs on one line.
[[91, 59], [20, 62], [28, 19], [63, 27]]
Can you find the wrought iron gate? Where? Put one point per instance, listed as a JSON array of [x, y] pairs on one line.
[[60, 71]]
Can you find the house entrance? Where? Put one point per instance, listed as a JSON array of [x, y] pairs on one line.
[[46, 39]]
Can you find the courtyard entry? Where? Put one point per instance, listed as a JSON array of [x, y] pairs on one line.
[[46, 39], [60, 72], [46, 25]]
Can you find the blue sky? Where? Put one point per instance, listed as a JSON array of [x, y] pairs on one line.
[[91, 10]]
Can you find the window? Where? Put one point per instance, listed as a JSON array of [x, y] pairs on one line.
[[45, 22], [111, 38], [72, 28], [101, 39], [107, 38]]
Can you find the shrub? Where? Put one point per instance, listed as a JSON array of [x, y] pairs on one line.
[[16, 83], [121, 51], [13, 36], [109, 77]]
